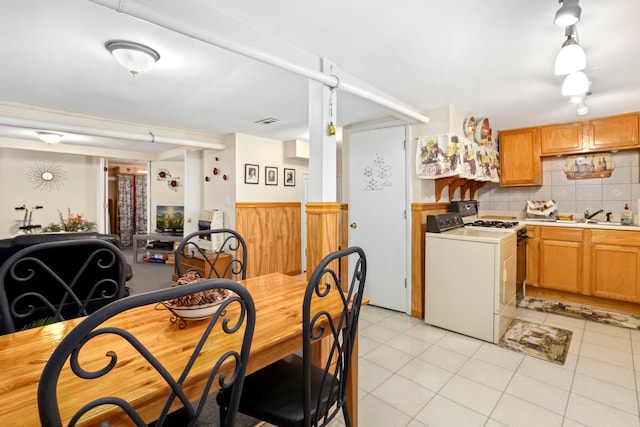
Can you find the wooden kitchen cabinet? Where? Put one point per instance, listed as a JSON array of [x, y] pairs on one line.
[[614, 133], [605, 134], [564, 138], [532, 277], [615, 265], [520, 163], [561, 259]]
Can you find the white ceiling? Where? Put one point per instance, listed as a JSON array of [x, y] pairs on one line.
[[492, 59]]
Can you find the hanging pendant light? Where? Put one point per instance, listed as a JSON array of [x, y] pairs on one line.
[[568, 14], [575, 84], [571, 57]]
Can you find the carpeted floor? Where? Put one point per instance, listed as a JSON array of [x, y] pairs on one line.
[[578, 311]]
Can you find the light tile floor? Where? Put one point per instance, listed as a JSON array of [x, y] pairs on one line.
[[415, 375]]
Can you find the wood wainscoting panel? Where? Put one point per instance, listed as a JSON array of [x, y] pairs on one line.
[[344, 239], [322, 231], [419, 212], [272, 232]]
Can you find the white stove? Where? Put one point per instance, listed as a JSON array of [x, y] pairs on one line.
[[470, 277]]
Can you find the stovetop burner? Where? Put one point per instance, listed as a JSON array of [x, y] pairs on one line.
[[493, 224]]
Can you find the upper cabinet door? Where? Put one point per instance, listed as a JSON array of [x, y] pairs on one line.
[[614, 133], [520, 163], [563, 138]]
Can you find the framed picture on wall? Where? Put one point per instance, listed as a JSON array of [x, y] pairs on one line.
[[270, 175], [250, 174], [289, 177]]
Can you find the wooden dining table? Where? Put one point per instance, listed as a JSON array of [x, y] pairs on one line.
[[278, 333]]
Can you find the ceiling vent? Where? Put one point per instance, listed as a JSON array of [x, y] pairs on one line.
[[268, 121]]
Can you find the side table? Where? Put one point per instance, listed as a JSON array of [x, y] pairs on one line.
[[145, 237]]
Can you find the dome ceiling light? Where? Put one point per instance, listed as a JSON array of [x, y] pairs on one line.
[[49, 137], [135, 57]]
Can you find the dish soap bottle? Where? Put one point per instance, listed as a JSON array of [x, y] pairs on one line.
[[626, 217]]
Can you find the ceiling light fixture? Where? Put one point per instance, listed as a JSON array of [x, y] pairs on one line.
[[571, 57], [575, 84], [135, 57], [582, 108], [568, 14], [49, 137]]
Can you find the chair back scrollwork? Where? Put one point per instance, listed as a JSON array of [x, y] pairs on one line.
[[324, 399], [305, 391], [228, 258], [123, 350], [54, 281]]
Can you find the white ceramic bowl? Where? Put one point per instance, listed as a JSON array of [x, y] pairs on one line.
[[195, 312]]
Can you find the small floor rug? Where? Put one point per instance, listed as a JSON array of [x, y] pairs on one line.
[[579, 311], [540, 341]]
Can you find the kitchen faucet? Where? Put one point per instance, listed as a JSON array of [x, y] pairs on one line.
[[588, 216]]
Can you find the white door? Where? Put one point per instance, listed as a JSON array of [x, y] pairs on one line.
[[377, 218]]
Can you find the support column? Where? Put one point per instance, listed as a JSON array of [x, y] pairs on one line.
[[322, 232], [322, 209]]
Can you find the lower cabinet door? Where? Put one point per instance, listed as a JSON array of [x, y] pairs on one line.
[[615, 272], [561, 265]]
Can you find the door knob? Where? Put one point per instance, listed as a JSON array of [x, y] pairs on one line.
[[188, 220], [353, 225]]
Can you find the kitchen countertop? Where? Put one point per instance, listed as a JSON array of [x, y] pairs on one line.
[[519, 216], [577, 224]]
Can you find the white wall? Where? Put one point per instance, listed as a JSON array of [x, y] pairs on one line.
[[573, 196], [159, 191], [266, 152], [77, 192], [219, 193]]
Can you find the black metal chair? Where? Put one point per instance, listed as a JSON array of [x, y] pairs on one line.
[[236, 315], [213, 246], [54, 281], [294, 392]]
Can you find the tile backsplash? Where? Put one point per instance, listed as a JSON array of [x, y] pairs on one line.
[[572, 195]]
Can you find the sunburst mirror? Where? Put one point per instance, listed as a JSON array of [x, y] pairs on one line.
[[46, 176]]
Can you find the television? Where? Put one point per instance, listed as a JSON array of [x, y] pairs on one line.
[[169, 219]]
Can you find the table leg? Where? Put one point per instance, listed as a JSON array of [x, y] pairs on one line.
[[135, 249]]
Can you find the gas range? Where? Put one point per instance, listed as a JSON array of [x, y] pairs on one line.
[[468, 211], [492, 224]]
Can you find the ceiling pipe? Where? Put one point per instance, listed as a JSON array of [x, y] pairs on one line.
[[142, 12], [81, 130]]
